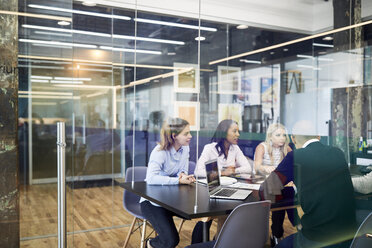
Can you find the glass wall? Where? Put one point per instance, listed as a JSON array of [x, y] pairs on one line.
[[114, 72]]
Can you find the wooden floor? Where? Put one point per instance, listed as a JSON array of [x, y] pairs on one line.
[[95, 218]]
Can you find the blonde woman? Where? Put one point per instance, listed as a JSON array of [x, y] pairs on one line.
[[168, 165], [267, 157], [271, 152]]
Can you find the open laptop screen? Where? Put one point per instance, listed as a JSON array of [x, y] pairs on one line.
[[213, 178]]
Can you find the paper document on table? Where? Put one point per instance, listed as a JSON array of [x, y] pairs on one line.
[[224, 180], [245, 186]]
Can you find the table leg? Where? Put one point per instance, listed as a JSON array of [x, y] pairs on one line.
[[220, 221], [205, 232]]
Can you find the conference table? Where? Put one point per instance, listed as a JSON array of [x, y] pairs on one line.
[[181, 199]]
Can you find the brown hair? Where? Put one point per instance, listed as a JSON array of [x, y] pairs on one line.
[[172, 126]]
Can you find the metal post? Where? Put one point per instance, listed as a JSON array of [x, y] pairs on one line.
[[84, 130], [61, 145]]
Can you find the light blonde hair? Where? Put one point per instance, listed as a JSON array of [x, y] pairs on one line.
[[284, 149], [174, 126]]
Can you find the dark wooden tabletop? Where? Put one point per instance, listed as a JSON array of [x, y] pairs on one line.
[[180, 199]]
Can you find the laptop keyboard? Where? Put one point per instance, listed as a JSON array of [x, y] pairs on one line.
[[225, 192]]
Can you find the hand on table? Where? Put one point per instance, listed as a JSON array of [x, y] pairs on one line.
[[228, 171], [186, 179]]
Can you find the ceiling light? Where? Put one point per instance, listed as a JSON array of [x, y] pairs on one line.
[[32, 15], [242, 26], [63, 23], [305, 56], [130, 50], [96, 94], [84, 86], [52, 33], [48, 97], [325, 59], [128, 37], [66, 30], [89, 3], [72, 79], [46, 93], [117, 36], [44, 61], [328, 38], [39, 81], [173, 24], [285, 49], [66, 82], [272, 53], [250, 61], [41, 77], [201, 38], [55, 46], [44, 103], [79, 12], [322, 45], [171, 53], [58, 43], [42, 67], [290, 42]]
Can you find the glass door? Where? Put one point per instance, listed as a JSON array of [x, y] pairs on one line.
[[45, 65]]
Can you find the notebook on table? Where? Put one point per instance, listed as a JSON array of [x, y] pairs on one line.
[[214, 185]]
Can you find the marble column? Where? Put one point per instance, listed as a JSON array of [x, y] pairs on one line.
[[349, 105], [9, 194], [346, 13]]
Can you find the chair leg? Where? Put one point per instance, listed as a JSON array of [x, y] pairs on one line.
[[143, 236], [180, 225], [130, 232]]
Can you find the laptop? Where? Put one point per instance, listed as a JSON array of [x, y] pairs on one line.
[[214, 186]]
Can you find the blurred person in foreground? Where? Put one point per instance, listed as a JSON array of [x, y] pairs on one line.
[[324, 188]]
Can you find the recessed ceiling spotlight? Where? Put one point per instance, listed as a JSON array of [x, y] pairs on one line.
[[272, 53], [242, 26], [89, 3], [63, 23], [285, 49], [328, 38], [171, 53], [201, 38]]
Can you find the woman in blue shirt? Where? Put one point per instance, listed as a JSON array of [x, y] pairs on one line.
[[168, 165]]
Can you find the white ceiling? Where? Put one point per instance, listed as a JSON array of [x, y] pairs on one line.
[[306, 16], [294, 15]]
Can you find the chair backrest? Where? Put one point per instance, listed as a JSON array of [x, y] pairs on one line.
[[360, 239], [192, 166], [246, 226], [130, 198]]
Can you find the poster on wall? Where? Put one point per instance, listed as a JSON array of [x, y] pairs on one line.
[[186, 78], [230, 111], [229, 80], [269, 96], [293, 79], [188, 111]]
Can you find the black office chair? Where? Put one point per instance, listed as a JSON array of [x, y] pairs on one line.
[[363, 237], [253, 218]]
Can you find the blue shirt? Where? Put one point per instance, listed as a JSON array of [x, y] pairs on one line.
[[165, 166]]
